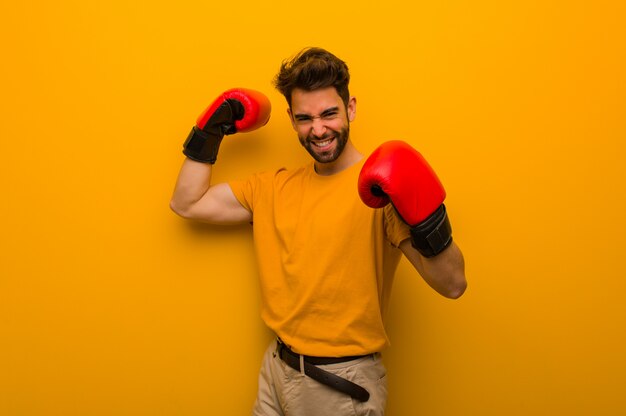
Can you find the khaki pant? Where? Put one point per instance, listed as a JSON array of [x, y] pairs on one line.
[[284, 391]]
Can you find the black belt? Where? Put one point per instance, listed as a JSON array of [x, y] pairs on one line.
[[331, 380]]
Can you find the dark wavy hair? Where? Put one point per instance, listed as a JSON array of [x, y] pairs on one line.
[[312, 69]]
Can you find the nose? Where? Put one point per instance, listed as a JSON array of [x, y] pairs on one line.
[[317, 127]]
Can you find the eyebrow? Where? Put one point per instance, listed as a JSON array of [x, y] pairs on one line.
[[303, 116]]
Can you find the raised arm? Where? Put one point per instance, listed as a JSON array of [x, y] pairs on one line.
[[397, 173], [236, 110]]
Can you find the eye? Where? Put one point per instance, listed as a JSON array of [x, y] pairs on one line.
[[330, 115]]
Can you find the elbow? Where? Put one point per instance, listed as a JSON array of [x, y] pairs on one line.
[[179, 210], [457, 290]]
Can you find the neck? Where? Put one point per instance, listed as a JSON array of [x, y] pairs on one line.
[[349, 156]]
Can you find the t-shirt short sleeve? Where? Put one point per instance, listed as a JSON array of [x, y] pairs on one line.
[[396, 230], [250, 190], [244, 191]]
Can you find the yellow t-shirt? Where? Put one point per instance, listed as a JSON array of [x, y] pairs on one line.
[[326, 260]]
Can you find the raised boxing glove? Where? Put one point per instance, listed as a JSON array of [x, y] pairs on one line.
[[236, 110], [397, 173]]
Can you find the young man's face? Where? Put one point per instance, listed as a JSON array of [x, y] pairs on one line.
[[322, 122]]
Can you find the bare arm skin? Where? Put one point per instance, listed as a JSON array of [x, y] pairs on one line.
[[445, 272], [195, 198]]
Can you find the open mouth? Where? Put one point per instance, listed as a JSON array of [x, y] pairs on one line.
[[323, 144]]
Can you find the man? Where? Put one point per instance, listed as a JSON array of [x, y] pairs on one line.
[[326, 258]]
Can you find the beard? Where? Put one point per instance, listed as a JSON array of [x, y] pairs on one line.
[[340, 138]]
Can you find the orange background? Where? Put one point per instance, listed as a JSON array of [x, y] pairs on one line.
[[112, 305]]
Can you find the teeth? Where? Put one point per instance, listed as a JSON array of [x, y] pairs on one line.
[[324, 143]]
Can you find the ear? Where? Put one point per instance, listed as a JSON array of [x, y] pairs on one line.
[[293, 124], [352, 109]]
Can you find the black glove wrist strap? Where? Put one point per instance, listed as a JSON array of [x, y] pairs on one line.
[[434, 234], [202, 146]]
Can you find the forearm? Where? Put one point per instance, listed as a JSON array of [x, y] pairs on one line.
[[194, 180], [444, 272]]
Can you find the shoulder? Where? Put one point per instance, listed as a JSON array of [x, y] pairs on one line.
[[262, 176], [266, 180]]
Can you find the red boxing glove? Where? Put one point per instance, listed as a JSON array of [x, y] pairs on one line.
[[397, 173], [236, 110]]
